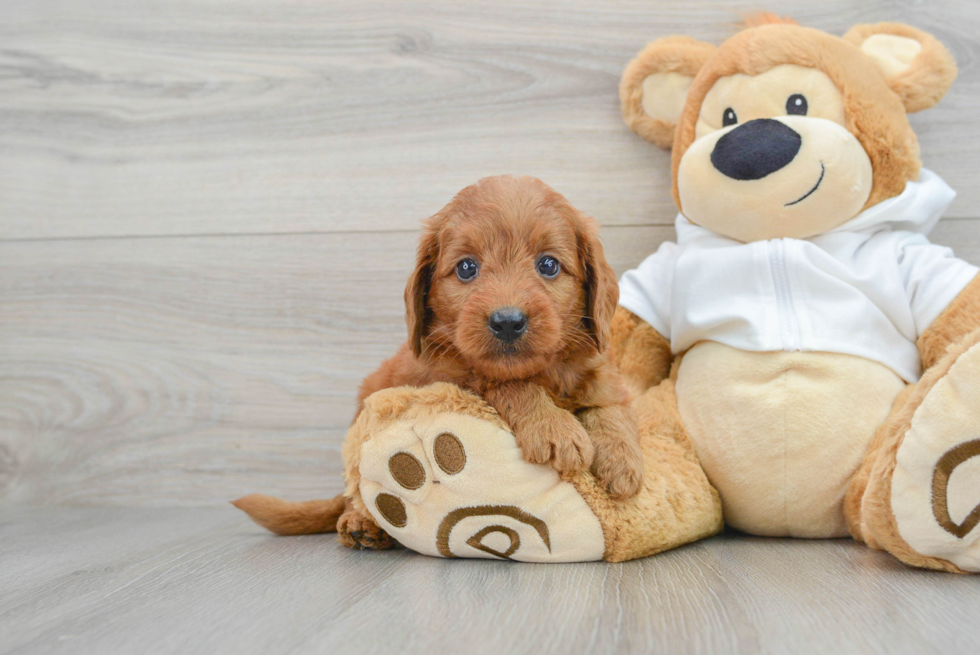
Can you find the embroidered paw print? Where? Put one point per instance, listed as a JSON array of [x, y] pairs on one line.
[[409, 473], [457, 486]]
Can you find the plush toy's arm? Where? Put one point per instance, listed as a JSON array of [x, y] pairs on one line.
[[640, 352], [961, 317]]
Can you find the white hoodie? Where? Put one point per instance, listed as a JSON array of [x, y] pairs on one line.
[[868, 287]]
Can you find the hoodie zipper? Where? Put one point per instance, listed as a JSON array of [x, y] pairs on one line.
[[789, 326]]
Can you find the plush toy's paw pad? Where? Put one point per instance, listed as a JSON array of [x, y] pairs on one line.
[[453, 485], [936, 482]]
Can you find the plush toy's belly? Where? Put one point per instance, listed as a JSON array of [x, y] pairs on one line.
[[779, 434]]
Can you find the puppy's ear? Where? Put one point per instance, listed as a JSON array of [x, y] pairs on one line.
[[916, 65], [601, 287], [417, 313], [654, 86]]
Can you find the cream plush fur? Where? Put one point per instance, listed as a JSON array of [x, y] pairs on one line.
[[781, 433], [486, 466]]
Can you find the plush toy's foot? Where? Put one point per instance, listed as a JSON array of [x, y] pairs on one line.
[[441, 474], [452, 485], [922, 501]]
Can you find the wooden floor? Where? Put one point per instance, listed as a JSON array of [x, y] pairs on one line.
[[208, 210], [136, 580]]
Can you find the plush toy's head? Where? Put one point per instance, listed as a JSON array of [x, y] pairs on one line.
[[786, 131]]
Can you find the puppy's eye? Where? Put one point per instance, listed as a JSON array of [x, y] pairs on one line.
[[796, 105], [549, 267], [728, 117], [467, 269]]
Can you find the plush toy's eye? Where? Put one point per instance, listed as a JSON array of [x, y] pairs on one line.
[[796, 104], [467, 269], [549, 267], [729, 117]]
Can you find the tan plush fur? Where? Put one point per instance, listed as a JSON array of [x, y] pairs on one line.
[[925, 83], [641, 353], [674, 54], [677, 504], [872, 517], [959, 318]]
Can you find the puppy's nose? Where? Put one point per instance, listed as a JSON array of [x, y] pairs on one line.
[[507, 324], [755, 149]]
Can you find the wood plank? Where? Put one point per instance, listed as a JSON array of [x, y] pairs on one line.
[[230, 116], [188, 371], [86, 580]]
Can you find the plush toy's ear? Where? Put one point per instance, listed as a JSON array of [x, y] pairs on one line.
[[916, 65], [654, 86]]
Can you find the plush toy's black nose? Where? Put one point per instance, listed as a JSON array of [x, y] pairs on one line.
[[755, 149], [508, 324]]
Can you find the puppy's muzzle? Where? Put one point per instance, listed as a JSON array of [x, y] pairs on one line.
[[507, 324]]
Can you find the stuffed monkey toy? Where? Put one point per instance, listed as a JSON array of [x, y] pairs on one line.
[[824, 354]]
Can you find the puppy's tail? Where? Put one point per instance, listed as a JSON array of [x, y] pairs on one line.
[[283, 517]]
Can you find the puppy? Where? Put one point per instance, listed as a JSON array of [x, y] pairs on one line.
[[511, 298]]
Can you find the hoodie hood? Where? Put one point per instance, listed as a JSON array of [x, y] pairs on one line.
[[917, 209]]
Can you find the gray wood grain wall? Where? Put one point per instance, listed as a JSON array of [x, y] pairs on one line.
[[208, 208]]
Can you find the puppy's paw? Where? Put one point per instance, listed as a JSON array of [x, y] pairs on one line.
[[619, 468], [559, 439], [361, 533]]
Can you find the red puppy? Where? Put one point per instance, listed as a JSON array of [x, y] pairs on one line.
[[511, 298]]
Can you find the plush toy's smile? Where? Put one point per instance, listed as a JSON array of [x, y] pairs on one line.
[[760, 180], [823, 170]]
